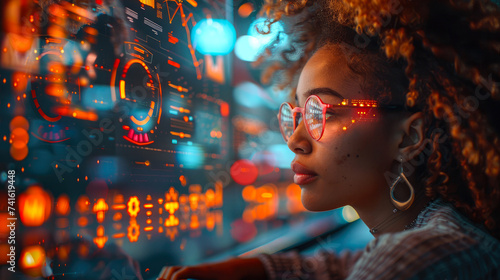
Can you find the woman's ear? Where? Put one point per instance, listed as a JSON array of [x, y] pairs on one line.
[[412, 142]]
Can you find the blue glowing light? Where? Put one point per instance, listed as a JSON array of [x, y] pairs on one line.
[[249, 95], [190, 157], [213, 36], [264, 39], [247, 48], [283, 156]]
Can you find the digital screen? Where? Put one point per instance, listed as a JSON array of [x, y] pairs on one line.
[[122, 141]]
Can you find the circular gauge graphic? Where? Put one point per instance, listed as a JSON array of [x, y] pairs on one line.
[[48, 95], [139, 89]]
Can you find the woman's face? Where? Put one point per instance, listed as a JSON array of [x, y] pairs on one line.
[[351, 157]]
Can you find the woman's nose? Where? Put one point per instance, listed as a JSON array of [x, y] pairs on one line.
[[300, 141]]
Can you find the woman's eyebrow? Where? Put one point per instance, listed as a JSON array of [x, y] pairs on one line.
[[323, 90]]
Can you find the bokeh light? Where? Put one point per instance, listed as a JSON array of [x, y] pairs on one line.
[[62, 205], [35, 206], [247, 48], [259, 25], [190, 156], [349, 214], [249, 95], [213, 36], [32, 260], [244, 172], [246, 9]]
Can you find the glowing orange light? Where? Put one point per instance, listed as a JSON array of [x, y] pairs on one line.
[[145, 120], [171, 204], [133, 206], [193, 201], [193, 3], [195, 223], [62, 205], [82, 221], [172, 233], [210, 221], [118, 235], [122, 89], [19, 137], [35, 206], [245, 10], [267, 195], [224, 109], [210, 198], [172, 221], [248, 193], [82, 204], [100, 208], [173, 63], [133, 231], [18, 153], [100, 240], [294, 203], [183, 180], [63, 252], [32, 259], [117, 216]]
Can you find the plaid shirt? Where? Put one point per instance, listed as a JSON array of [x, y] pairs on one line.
[[443, 244]]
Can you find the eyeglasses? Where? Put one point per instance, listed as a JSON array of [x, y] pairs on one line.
[[316, 112]]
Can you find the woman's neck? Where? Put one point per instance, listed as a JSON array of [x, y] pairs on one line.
[[381, 217]]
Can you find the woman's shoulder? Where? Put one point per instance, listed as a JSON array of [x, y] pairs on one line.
[[443, 244]]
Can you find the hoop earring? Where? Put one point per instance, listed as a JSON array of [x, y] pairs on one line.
[[402, 205]]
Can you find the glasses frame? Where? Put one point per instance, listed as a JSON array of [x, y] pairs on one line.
[[325, 107]]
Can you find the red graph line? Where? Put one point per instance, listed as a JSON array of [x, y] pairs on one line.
[[188, 33]]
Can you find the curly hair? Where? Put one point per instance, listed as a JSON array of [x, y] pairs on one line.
[[439, 57]]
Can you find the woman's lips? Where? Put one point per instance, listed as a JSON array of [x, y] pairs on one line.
[[302, 175], [303, 179]]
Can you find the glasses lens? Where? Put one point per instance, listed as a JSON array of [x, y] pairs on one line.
[[286, 121], [314, 117]]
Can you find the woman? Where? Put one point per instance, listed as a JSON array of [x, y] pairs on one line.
[[409, 137]]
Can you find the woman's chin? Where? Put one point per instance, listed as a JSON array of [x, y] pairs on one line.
[[314, 204]]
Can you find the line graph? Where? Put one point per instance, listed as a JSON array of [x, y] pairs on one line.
[[185, 20]]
